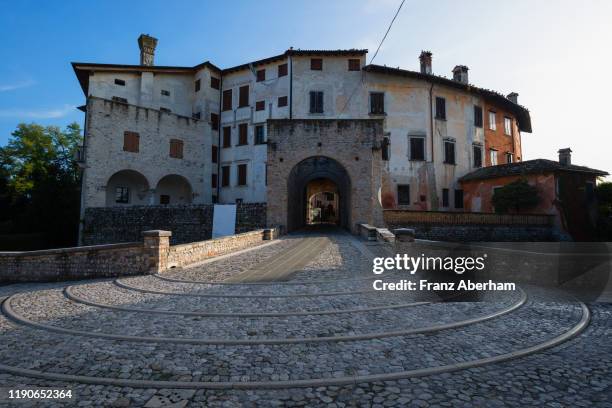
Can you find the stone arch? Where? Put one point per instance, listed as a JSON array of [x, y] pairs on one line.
[[127, 187], [173, 189], [316, 168]]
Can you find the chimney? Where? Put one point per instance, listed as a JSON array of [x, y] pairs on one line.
[[513, 97], [147, 46], [565, 156], [425, 59], [460, 74]]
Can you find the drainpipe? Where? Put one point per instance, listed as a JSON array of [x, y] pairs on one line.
[[219, 141], [83, 176], [290, 86], [431, 125]]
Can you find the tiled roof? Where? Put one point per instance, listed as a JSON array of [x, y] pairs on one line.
[[528, 167]]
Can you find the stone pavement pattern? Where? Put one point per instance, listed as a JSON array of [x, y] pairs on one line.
[[206, 328]]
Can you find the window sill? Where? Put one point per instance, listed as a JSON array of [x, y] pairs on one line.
[[243, 106], [242, 144], [442, 119], [452, 164], [417, 160], [316, 113], [262, 143], [377, 114]]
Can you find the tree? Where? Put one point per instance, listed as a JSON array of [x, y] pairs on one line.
[[517, 196]]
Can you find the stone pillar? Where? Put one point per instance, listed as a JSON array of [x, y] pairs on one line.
[[156, 247]]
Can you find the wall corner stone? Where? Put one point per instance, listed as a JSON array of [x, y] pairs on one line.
[[156, 248]]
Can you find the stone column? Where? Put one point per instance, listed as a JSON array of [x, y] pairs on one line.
[[156, 248]]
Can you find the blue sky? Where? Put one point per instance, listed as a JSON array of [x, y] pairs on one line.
[[555, 54]]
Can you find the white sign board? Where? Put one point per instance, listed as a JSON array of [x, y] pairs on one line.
[[224, 220]]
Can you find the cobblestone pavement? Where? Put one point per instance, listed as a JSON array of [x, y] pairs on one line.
[[320, 337]]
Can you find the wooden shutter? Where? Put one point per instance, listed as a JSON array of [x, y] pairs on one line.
[[214, 82], [227, 100], [316, 64], [225, 176], [131, 142], [261, 75], [282, 70], [243, 99], [215, 154], [242, 174], [213, 180], [260, 105], [176, 148], [354, 64], [243, 134], [227, 136], [214, 121]]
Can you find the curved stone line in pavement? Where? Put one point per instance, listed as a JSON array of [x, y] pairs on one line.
[[317, 382], [15, 317], [70, 295]]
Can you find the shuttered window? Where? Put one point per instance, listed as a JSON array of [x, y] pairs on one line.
[[440, 108], [227, 137], [403, 194], [243, 97], [377, 103], [354, 64], [213, 180], [227, 100], [260, 105], [242, 174], [176, 148], [131, 142], [261, 75], [316, 64], [215, 154], [243, 132], [316, 102], [449, 152], [214, 121], [282, 70], [477, 151], [225, 176], [477, 116], [214, 82], [417, 148]]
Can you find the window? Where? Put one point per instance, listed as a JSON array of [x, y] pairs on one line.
[[176, 148], [440, 108], [196, 115], [119, 82], [214, 82], [164, 199], [354, 64], [165, 110], [259, 135], [316, 64], [445, 199], [316, 102], [122, 195], [403, 194], [282, 70], [119, 99], [282, 101], [492, 119], [165, 93], [242, 174], [239, 201], [225, 176], [243, 130], [449, 151], [227, 136], [261, 75], [227, 100], [214, 121], [458, 198], [377, 103], [385, 148], [493, 157], [197, 85], [508, 126], [417, 148], [213, 180], [215, 154], [477, 116], [477, 151], [509, 157], [131, 142], [260, 105], [243, 97]]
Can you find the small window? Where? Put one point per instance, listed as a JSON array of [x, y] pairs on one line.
[[119, 82], [259, 135], [225, 176], [197, 85], [131, 142], [243, 97], [386, 144], [227, 100], [403, 194], [354, 64], [458, 198], [449, 152], [508, 126], [122, 195], [213, 180], [477, 151], [243, 132], [417, 148], [214, 154], [282, 70], [165, 110], [260, 105], [493, 157], [316, 102], [282, 101], [261, 75], [492, 120], [316, 64], [377, 103], [119, 99], [477, 116], [445, 198], [239, 201], [242, 174], [214, 82], [214, 121], [164, 199], [227, 136], [509, 158], [165, 93], [440, 108], [196, 115], [176, 148]]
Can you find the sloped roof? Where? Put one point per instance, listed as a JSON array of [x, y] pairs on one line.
[[536, 166]]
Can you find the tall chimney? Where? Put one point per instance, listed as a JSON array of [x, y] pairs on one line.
[[460, 74], [425, 59], [565, 156], [513, 97], [147, 46]]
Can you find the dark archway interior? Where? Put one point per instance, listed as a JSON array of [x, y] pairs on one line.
[[308, 170]]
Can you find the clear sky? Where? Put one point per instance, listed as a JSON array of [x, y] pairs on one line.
[[556, 54]]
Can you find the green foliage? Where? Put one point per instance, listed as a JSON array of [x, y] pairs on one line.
[[518, 195], [603, 192]]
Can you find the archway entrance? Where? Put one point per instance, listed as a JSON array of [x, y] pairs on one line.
[[318, 192], [173, 189]]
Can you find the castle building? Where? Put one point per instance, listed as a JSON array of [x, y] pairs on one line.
[[315, 134]]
